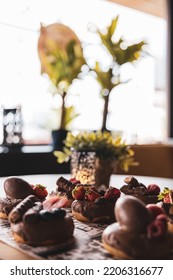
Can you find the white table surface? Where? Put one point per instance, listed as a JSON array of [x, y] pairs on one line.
[[49, 180]]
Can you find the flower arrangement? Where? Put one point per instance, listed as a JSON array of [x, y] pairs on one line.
[[103, 143]]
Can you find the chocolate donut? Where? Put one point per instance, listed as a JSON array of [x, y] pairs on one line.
[[139, 233], [92, 206], [33, 225], [99, 211], [17, 188], [6, 205], [147, 194]]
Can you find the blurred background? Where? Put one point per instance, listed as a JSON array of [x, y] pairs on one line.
[[138, 110]]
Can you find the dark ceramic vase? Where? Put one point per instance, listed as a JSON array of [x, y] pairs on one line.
[[104, 169]]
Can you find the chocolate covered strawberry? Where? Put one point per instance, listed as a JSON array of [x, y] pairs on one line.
[[91, 195], [78, 192], [74, 181], [40, 191], [112, 194]]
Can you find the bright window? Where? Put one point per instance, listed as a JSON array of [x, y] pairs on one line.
[[137, 109]]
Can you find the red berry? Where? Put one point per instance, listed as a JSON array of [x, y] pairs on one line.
[[168, 198], [40, 191], [112, 194], [78, 192], [74, 181], [153, 189], [158, 227], [92, 195], [155, 210]]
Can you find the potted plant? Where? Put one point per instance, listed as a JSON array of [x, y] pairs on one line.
[[119, 52], [61, 58], [95, 155]]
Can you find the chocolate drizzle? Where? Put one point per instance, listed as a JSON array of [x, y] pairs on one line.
[[91, 210], [64, 185], [7, 204], [17, 213]]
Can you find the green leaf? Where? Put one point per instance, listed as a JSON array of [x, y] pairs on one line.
[[103, 143], [112, 27], [69, 116], [163, 193], [61, 156]]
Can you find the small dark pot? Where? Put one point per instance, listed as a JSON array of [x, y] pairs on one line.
[[104, 169], [58, 137]]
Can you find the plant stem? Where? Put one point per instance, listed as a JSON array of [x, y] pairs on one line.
[[63, 110], [105, 112]]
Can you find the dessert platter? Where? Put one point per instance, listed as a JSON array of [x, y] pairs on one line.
[[78, 221]]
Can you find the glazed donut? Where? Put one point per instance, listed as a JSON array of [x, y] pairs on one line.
[[139, 233], [147, 194], [92, 206], [33, 225]]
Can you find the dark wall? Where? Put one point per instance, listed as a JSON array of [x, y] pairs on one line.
[[30, 163], [154, 160]]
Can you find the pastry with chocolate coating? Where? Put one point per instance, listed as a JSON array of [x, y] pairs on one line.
[[17, 188], [64, 190], [18, 211], [140, 231], [33, 225], [6, 205], [91, 206], [147, 194]]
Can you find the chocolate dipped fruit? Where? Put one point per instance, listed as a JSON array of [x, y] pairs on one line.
[[166, 202], [140, 232], [63, 192], [31, 224], [90, 205], [40, 191], [148, 194]]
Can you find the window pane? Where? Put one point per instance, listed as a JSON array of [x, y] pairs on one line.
[[137, 109]]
